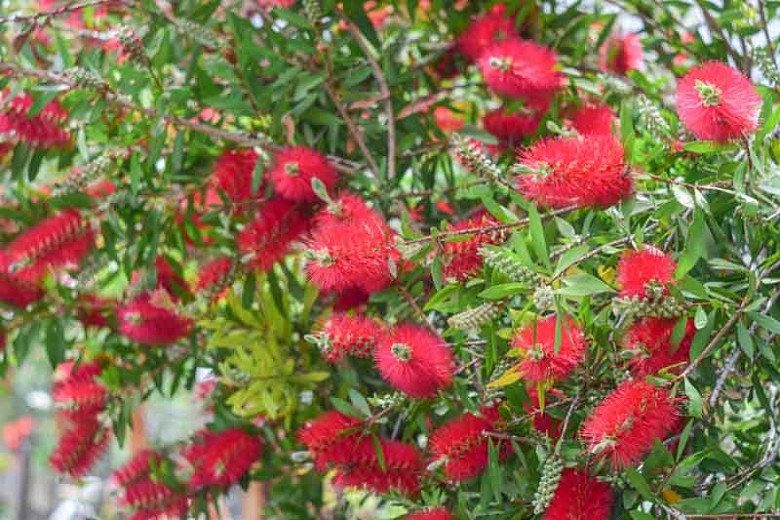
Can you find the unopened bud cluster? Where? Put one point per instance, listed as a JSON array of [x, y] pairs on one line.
[[133, 47], [548, 483], [662, 306], [509, 266], [474, 319], [650, 117], [544, 297], [387, 400], [202, 35], [88, 80], [313, 11], [474, 159], [80, 179]]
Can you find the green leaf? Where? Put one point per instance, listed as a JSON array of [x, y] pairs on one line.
[[695, 246], [347, 409], [745, 341], [55, 343], [766, 322], [639, 483], [537, 236], [700, 318], [583, 285], [501, 291], [695, 403], [360, 402]]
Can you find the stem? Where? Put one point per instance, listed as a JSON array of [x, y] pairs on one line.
[[384, 90]]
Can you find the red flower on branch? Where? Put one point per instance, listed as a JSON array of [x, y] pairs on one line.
[[511, 128], [330, 438], [269, 236], [414, 361], [233, 174], [492, 27], [83, 442], [518, 68], [579, 497], [593, 119], [144, 322], [438, 513], [652, 338], [43, 130], [639, 271], [222, 458], [13, 289], [137, 469], [583, 171], [463, 444], [546, 359], [154, 500], [716, 102], [461, 258], [625, 425], [401, 470], [621, 53], [344, 335], [293, 170]]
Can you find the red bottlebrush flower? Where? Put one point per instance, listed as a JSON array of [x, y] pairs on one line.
[[221, 459], [170, 280], [518, 68], [293, 170], [268, 4], [42, 130], [582, 171], [486, 30], [60, 240], [344, 335], [233, 174], [93, 311], [438, 513], [138, 468], [593, 119], [215, 275], [541, 360], [13, 289], [463, 444], [414, 361], [79, 447], [639, 271], [79, 398], [621, 53], [354, 254], [652, 337], [347, 208], [144, 322], [70, 371], [510, 128], [269, 236], [579, 497], [461, 258], [330, 438], [716, 102], [447, 120], [154, 500], [402, 471], [626, 424]]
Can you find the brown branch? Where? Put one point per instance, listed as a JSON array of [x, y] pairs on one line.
[[416, 308], [715, 340], [354, 131], [384, 90], [716, 29], [765, 28]]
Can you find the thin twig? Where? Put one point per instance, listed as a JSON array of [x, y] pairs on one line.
[[416, 308], [384, 90], [488, 229], [352, 128], [765, 27], [15, 18], [594, 252], [716, 29]]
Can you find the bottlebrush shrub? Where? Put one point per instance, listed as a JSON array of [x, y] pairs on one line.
[[487, 260]]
